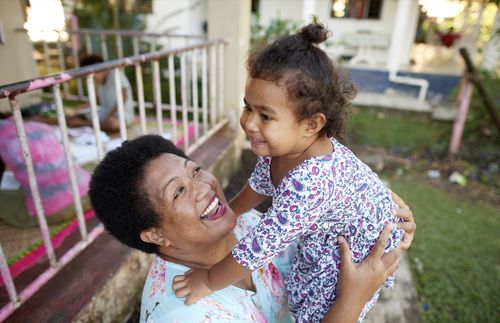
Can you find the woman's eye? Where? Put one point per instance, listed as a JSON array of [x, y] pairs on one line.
[[246, 108], [265, 117], [178, 192], [196, 171]]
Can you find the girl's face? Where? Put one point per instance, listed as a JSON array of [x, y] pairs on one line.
[[269, 120], [193, 209]]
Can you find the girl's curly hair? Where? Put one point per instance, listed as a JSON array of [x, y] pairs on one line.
[[313, 83]]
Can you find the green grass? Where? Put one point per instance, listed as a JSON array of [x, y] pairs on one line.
[[390, 128], [458, 243]]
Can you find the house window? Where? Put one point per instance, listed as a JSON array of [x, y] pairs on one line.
[[356, 9]]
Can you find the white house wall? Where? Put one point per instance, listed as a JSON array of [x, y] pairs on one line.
[[292, 9], [286, 9], [188, 21]]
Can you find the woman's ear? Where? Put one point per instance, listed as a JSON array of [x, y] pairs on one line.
[[315, 123], [154, 236]]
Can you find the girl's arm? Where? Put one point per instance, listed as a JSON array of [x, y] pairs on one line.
[[358, 282], [245, 200], [198, 283]]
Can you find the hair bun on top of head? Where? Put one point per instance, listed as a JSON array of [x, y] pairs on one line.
[[314, 33]]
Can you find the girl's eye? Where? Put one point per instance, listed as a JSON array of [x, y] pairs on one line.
[[196, 171], [265, 117], [246, 108], [178, 192]]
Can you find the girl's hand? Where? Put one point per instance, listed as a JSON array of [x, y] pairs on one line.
[[193, 285], [409, 225]]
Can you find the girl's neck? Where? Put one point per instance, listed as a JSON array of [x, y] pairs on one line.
[[281, 165]]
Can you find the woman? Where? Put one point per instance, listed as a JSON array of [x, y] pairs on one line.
[[150, 196]]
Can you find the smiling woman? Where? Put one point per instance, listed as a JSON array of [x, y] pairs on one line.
[[150, 196]]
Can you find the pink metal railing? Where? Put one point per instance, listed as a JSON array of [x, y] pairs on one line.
[[212, 79]]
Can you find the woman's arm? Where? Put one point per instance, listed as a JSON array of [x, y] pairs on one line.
[[245, 200], [358, 282]]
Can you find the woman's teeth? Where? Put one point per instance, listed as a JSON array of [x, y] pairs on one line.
[[212, 207]]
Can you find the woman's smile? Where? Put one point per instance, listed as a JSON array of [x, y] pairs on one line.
[[214, 210]]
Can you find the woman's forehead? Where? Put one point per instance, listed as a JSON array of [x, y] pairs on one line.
[[165, 164]]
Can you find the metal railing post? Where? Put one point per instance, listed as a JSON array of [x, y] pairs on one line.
[[35, 193], [157, 96], [61, 119], [119, 103], [194, 79], [173, 106], [184, 91], [204, 88], [95, 117]]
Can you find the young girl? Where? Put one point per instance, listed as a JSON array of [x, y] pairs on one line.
[[295, 107]]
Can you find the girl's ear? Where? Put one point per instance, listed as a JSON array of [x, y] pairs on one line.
[[315, 123], [154, 236]]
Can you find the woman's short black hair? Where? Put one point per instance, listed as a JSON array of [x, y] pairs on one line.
[[313, 83], [116, 191]]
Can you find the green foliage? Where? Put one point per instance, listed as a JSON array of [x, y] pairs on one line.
[[457, 243], [479, 125], [278, 27], [99, 14]]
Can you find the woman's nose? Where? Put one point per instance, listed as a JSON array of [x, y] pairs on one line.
[[203, 189]]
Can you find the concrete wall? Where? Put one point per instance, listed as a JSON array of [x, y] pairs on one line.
[[16, 54]]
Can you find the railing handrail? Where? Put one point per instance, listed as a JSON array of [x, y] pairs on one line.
[[14, 89], [120, 32]]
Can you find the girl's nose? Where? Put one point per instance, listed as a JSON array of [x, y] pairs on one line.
[[251, 123]]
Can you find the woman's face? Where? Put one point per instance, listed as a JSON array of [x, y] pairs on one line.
[[193, 209]]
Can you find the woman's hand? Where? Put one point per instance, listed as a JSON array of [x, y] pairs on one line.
[[358, 282], [409, 225], [193, 285]]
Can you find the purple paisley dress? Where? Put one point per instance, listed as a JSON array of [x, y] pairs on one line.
[[322, 198]]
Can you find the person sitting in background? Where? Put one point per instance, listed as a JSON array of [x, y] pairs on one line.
[[107, 100], [17, 207], [107, 108]]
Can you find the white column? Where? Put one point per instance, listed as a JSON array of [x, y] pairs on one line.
[[308, 10], [236, 51], [399, 34]]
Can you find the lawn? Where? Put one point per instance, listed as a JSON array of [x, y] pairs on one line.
[[454, 259], [395, 129], [455, 255]]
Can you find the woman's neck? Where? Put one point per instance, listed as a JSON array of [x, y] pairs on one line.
[[207, 258], [204, 258]]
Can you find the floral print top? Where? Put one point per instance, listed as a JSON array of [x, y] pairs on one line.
[[322, 198], [232, 304]]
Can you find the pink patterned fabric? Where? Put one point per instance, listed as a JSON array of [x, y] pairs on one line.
[[49, 163]]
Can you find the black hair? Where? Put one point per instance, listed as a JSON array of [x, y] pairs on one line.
[[116, 191], [91, 59], [313, 83]]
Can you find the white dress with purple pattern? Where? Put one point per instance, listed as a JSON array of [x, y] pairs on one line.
[[320, 199]]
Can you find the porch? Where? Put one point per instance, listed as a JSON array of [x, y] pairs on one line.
[[75, 270]]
